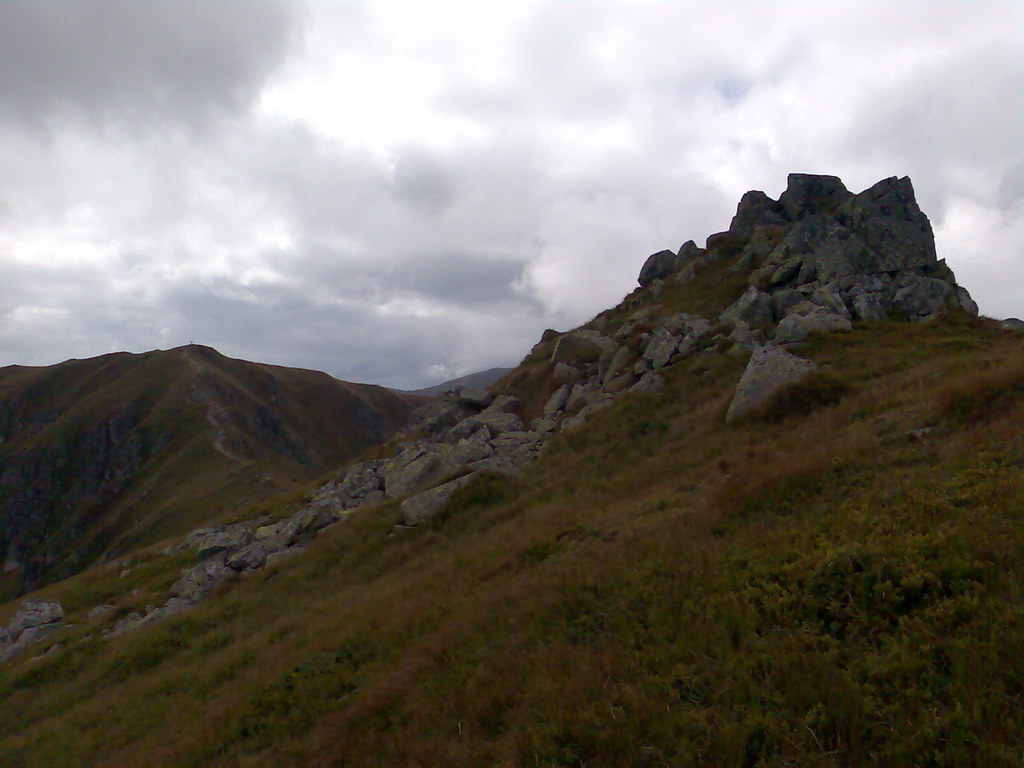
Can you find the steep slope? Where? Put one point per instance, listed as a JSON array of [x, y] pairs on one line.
[[100, 456], [834, 578]]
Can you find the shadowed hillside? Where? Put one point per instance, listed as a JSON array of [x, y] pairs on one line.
[[100, 456]]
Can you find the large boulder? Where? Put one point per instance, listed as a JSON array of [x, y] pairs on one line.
[[808, 193], [769, 369], [418, 466], [658, 265]]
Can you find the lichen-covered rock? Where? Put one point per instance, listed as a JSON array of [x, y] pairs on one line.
[[228, 538], [807, 319], [769, 369], [416, 467]]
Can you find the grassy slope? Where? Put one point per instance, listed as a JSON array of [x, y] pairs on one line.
[[814, 588]]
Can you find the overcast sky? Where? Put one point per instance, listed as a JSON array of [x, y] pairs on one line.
[[403, 192]]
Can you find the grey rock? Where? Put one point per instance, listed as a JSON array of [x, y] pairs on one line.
[[807, 319], [581, 347], [769, 369], [650, 383], [544, 424], [199, 580], [564, 374], [1012, 324], [472, 449], [228, 538], [662, 346], [497, 465], [919, 297], [755, 210], [306, 522], [617, 364], [578, 396], [34, 613], [415, 468], [808, 194], [754, 308], [255, 555], [359, 480], [658, 265], [867, 306], [577, 420], [477, 399], [503, 404], [620, 383], [418, 508], [557, 400], [683, 324], [969, 305]]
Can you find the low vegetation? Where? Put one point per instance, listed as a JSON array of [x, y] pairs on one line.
[[839, 581]]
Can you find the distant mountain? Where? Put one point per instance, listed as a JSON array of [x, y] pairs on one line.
[[104, 455], [478, 380]]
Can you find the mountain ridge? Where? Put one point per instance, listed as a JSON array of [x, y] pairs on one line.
[[657, 541], [76, 436]]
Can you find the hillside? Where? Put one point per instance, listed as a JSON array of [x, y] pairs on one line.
[[101, 456], [635, 551], [477, 380]]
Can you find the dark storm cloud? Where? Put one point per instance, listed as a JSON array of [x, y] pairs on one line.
[[154, 62]]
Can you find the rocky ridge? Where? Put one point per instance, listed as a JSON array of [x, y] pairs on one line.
[[817, 260]]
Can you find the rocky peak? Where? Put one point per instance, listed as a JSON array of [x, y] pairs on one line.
[[820, 257], [807, 194]]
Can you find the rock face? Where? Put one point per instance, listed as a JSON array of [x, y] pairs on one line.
[[851, 257], [769, 369]]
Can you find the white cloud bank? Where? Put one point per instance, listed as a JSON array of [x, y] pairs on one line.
[[401, 192]]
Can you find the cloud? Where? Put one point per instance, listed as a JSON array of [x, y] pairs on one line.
[[397, 193], [152, 63]]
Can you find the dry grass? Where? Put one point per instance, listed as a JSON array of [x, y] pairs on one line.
[[818, 590]]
